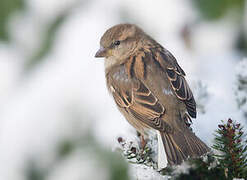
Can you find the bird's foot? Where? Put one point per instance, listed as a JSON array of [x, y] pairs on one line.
[[143, 142]]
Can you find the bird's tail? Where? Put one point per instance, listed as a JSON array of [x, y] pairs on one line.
[[181, 145]]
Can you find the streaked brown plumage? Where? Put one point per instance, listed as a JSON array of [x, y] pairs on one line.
[[150, 89]]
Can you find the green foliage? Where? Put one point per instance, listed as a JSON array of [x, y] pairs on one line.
[[229, 162], [201, 169], [47, 42], [241, 42], [241, 86], [34, 172], [49, 35], [135, 154], [118, 168], [65, 148], [232, 157], [112, 162], [215, 9], [7, 8]]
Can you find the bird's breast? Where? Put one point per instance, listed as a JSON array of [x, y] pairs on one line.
[[117, 79]]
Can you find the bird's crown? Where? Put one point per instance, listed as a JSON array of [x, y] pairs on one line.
[[119, 32]]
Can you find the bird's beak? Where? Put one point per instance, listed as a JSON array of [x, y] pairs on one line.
[[101, 52]]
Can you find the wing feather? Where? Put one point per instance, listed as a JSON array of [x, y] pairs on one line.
[[176, 76], [142, 105]]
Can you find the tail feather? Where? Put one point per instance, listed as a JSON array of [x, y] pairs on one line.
[[162, 158], [181, 145]]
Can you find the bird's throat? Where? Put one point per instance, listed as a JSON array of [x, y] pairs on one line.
[[110, 62]]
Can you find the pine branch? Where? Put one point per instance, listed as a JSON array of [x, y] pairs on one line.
[[229, 142], [229, 162]]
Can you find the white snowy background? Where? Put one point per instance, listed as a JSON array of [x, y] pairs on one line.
[[65, 94]]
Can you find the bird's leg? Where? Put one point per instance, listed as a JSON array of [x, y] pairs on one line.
[[143, 142]]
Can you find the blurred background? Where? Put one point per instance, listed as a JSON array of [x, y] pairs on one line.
[[57, 120]]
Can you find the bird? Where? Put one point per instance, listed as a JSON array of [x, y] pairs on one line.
[[150, 90]]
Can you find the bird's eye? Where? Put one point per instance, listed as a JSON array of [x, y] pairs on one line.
[[116, 43]]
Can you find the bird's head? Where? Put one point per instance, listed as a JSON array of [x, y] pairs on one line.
[[119, 42]]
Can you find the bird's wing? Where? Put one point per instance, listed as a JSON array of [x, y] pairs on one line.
[[176, 76], [139, 102]]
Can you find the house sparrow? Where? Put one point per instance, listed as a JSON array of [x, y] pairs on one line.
[[150, 90]]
